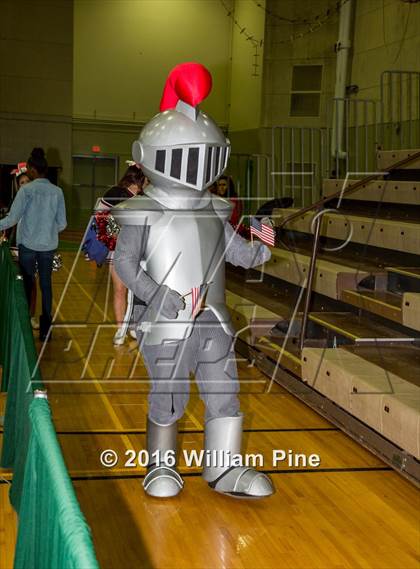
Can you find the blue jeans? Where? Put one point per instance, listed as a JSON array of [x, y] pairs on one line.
[[27, 261]]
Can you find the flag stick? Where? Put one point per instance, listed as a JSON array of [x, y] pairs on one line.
[[187, 294]]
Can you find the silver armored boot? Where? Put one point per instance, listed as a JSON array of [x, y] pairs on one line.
[[162, 479], [222, 440]]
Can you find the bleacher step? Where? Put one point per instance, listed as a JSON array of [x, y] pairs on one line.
[[355, 328], [368, 259], [382, 303], [386, 158], [391, 234], [331, 327], [400, 360], [402, 280], [385, 191], [380, 385], [376, 396], [403, 309], [330, 278], [410, 272]]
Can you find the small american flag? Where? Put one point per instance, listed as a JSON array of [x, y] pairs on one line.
[[262, 231], [198, 293]]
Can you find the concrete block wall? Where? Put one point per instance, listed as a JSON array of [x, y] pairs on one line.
[[36, 81]]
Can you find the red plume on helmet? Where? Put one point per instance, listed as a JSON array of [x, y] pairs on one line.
[[188, 82]]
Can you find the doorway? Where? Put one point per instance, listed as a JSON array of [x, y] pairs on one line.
[[92, 176]]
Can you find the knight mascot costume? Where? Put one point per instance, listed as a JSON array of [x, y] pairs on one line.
[[171, 253]]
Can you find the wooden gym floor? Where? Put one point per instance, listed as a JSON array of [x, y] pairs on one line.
[[351, 511]]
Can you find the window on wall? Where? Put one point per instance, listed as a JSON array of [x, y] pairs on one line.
[[305, 94]]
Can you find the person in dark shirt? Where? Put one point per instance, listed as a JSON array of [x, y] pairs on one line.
[[131, 184]]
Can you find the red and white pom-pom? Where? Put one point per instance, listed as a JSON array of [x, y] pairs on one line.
[[102, 232], [188, 82]]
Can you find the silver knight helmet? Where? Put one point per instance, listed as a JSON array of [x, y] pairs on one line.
[[182, 147]]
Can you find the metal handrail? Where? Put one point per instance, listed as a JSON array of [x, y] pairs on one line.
[[350, 189], [317, 230]]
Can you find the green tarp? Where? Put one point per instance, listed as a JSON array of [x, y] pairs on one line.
[[52, 532]]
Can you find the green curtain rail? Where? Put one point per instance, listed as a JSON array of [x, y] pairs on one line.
[[52, 532], [20, 374]]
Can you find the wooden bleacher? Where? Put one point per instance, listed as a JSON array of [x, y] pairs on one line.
[[363, 347]]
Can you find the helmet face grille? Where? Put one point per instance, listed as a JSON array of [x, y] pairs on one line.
[[195, 166]]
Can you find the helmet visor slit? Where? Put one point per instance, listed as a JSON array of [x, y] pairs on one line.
[[192, 165], [176, 163], [217, 169], [160, 160], [208, 165]]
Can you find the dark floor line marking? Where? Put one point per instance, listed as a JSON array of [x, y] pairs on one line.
[[146, 392], [195, 431], [326, 470], [286, 471]]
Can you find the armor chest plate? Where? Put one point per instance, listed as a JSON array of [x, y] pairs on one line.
[[186, 249]]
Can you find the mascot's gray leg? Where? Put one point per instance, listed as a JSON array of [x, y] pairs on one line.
[[224, 435], [162, 479]]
